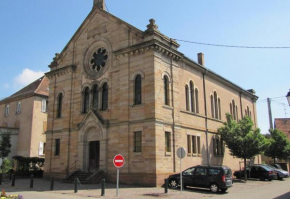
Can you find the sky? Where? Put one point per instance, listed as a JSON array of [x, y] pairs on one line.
[[32, 31]]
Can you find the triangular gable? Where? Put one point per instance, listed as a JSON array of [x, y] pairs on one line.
[[93, 115]]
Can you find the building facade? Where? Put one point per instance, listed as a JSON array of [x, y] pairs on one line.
[[24, 116], [115, 89]]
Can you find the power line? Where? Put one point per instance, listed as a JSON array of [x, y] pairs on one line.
[[233, 46]]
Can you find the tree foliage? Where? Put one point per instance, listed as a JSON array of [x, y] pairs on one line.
[[242, 139], [279, 145], [5, 145]]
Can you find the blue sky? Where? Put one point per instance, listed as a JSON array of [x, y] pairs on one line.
[[32, 31]]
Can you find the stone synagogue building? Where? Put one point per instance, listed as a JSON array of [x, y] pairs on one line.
[[115, 89]]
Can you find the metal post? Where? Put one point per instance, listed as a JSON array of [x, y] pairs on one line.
[[270, 113], [13, 180], [166, 186], [117, 191], [76, 185], [0, 178], [51, 183], [103, 187], [31, 181], [181, 185]]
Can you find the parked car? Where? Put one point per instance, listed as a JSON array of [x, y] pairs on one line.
[[280, 172], [213, 177], [277, 166], [257, 171]]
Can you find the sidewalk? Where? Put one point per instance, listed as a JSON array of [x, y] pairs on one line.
[[125, 192]]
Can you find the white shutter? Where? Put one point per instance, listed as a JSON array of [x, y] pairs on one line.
[[40, 151], [43, 106]]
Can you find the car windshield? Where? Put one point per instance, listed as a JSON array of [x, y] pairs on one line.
[[271, 167], [266, 168], [278, 166]]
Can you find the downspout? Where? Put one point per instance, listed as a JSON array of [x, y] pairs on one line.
[[173, 114], [206, 118]]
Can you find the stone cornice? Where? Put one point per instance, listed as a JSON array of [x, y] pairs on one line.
[[153, 45], [61, 71]]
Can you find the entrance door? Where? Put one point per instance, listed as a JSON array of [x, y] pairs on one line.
[[94, 156]]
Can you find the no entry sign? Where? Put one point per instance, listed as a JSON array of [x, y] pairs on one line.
[[119, 161]]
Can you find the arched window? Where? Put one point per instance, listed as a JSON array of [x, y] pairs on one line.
[[216, 105], [219, 108], [248, 111], [86, 100], [237, 113], [196, 101], [231, 109], [105, 96], [166, 90], [59, 105], [95, 97], [212, 106], [138, 90], [192, 103], [234, 110], [187, 98]]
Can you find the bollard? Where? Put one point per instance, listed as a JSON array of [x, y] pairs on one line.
[[31, 181], [76, 185], [0, 178], [103, 181], [13, 180], [51, 183], [166, 186]]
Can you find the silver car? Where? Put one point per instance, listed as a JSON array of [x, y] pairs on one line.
[[280, 173]]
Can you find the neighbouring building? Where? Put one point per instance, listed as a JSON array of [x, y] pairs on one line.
[[115, 89], [24, 116], [283, 124]]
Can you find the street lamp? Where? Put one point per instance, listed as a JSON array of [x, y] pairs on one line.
[[288, 97]]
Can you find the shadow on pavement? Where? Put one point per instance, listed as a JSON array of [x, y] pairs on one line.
[[284, 196]]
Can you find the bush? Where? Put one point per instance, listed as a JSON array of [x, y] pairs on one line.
[[7, 165]]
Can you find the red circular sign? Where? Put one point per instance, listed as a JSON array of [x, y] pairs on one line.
[[119, 161]]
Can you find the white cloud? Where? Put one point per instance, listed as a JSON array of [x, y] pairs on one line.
[[6, 86], [26, 77]]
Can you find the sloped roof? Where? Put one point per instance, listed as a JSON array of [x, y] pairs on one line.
[[38, 87]]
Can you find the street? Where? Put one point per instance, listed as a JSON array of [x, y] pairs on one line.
[[252, 189]]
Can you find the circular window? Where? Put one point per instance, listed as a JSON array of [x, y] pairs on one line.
[[98, 60]]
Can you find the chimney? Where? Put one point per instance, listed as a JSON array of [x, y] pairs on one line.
[[200, 58], [99, 4]]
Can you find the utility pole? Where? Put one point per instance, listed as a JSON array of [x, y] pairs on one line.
[[270, 113]]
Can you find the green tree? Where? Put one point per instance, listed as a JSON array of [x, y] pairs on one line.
[[242, 139], [5, 146], [278, 143]]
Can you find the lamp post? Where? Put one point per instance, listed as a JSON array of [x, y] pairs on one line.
[[288, 97]]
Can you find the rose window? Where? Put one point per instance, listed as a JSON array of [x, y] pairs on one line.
[[99, 59]]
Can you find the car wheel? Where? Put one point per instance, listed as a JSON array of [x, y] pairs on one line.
[[173, 183], [269, 179], [262, 178], [224, 190], [279, 178], [214, 188]]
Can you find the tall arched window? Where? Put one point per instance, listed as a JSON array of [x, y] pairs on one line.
[[212, 106], [138, 90], [105, 96], [192, 103], [234, 110], [86, 100], [196, 101], [59, 105], [166, 90], [237, 113], [219, 108], [187, 98], [95, 97], [216, 105], [231, 109]]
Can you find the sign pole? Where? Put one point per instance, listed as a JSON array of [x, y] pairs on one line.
[[117, 193], [180, 177]]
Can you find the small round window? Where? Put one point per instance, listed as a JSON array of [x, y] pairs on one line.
[[99, 59]]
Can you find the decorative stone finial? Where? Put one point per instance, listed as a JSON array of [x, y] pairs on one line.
[[54, 62], [99, 4], [152, 26]]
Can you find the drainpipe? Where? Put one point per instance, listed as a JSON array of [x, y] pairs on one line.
[[206, 118]]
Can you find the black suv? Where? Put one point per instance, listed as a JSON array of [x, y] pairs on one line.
[[257, 171], [213, 177]]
